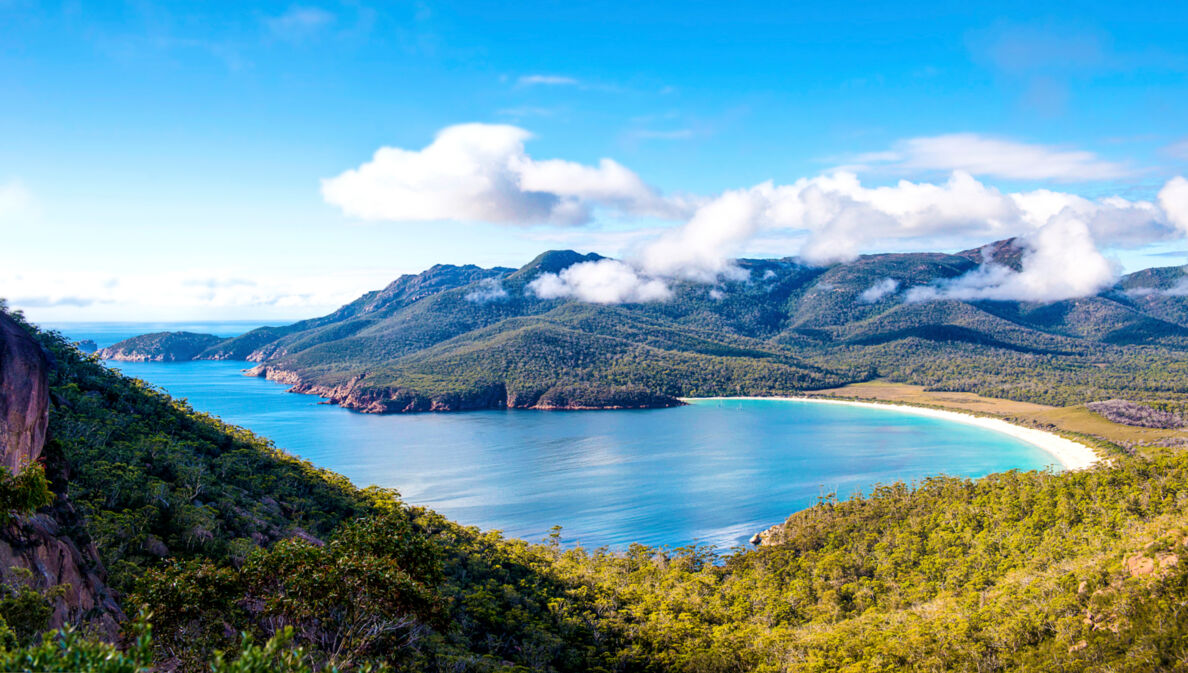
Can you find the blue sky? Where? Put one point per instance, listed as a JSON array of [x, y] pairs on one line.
[[166, 160]]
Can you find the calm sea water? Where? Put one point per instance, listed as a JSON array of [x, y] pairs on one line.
[[714, 472]]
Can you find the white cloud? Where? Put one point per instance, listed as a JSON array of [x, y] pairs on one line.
[[606, 281], [993, 157], [1173, 198], [838, 218], [879, 290], [480, 172], [488, 290], [1061, 261], [546, 80], [704, 247], [609, 184]]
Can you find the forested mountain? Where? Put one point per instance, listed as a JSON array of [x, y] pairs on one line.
[[464, 337], [243, 559]]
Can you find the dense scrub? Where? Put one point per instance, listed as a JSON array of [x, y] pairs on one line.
[[231, 545], [155, 479]]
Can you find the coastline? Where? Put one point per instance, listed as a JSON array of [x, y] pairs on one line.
[[1070, 454]]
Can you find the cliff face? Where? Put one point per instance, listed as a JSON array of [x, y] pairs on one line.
[[24, 396], [45, 543]]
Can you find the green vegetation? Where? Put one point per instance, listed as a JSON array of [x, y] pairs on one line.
[[154, 479], [162, 346], [24, 492], [445, 339], [24, 611], [250, 560]]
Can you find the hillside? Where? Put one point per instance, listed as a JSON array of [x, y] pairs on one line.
[[463, 337], [160, 347], [217, 534]]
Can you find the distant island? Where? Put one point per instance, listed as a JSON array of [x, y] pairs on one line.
[[464, 337], [160, 347]]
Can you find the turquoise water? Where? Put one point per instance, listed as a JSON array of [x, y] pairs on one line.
[[713, 472]]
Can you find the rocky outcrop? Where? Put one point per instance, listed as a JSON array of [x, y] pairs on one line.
[[24, 396], [767, 537], [1158, 564], [49, 544]]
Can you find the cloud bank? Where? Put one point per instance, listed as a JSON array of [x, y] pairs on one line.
[[838, 218], [480, 172], [1060, 261], [56, 294]]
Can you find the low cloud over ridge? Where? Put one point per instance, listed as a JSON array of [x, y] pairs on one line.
[[1060, 261], [606, 281], [481, 172]]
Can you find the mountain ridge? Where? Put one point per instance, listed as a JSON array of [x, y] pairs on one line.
[[464, 337]]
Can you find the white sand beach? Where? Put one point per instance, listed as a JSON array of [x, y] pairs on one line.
[[1071, 455]]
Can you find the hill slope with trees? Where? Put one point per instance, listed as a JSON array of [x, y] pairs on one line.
[[464, 337], [242, 558]]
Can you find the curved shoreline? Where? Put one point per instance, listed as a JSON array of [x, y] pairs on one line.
[[1070, 454]]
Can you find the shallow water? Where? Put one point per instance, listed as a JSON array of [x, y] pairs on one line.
[[714, 472]]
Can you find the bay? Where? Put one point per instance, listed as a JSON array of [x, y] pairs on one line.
[[714, 472]]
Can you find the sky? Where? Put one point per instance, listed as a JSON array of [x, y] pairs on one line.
[[271, 161]]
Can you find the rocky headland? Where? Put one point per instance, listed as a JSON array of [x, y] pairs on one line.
[[358, 394]]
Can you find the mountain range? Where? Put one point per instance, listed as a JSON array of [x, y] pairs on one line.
[[465, 337]]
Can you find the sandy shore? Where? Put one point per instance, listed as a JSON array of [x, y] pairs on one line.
[[1071, 455]]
